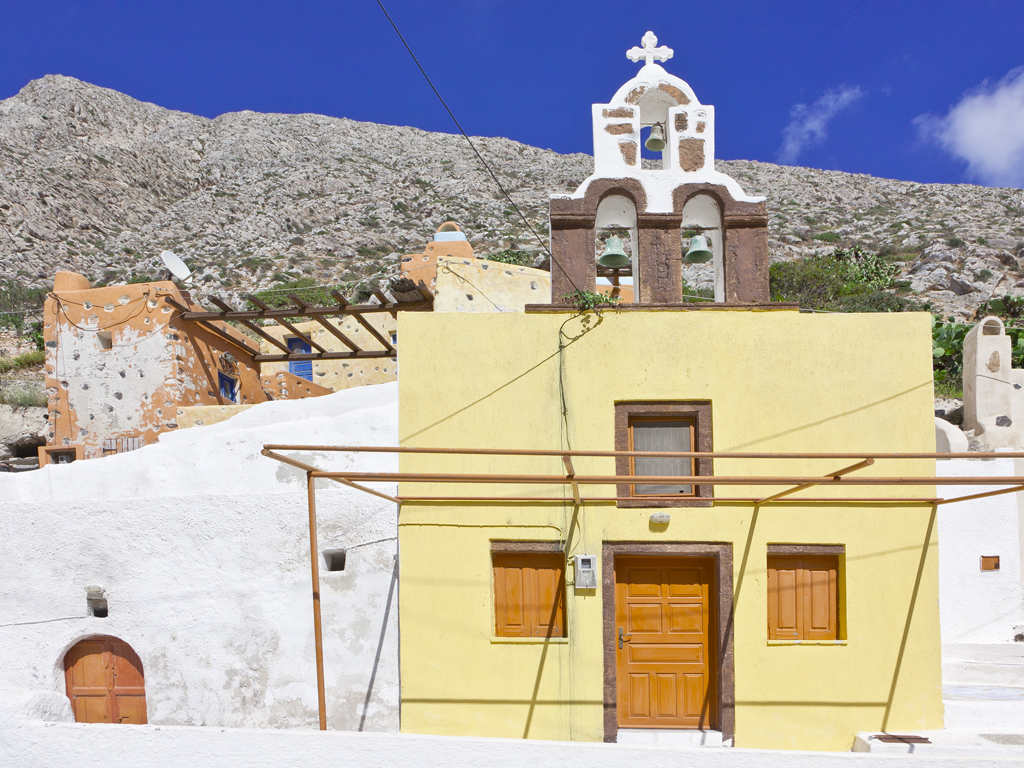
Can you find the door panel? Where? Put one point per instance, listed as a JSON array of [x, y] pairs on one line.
[[665, 672], [105, 682]]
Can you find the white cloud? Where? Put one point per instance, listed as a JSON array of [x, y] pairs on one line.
[[985, 129], [807, 123]]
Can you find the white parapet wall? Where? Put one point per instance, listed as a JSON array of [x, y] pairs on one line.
[[975, 605], [201, 548]]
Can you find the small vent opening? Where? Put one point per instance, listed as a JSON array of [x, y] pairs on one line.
[[96, 602], [334, 559]]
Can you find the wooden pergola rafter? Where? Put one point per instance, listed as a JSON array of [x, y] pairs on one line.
[[420, 300]]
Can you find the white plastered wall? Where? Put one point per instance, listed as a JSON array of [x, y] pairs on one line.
[[655, 106], [978, 606], [201, 545]]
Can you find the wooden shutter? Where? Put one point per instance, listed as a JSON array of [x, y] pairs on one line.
[[803, 597], [529, 591]]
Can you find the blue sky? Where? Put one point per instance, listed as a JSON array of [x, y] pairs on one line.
[[923, 91]]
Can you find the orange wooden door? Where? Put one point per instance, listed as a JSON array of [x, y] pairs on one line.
[[665, 671], [105, 682]]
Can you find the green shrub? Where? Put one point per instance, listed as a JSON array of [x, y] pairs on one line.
[[955, 242], [15, 299], [24, 360], [305, 288], [509, 256], [584, 300], [845, 280], [828, 237], [36, 335], [692, 295], [23, 395]]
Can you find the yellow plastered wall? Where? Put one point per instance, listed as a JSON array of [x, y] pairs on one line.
[[777, 381]]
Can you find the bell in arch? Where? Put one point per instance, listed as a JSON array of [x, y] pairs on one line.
[[656, 141], [699, 252], [614, 256]]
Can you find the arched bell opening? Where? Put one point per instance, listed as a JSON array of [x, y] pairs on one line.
[[615, 247], [105, 681], [701, 232], [654, 105]]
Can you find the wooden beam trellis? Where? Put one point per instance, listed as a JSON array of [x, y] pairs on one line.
[[206, 320]]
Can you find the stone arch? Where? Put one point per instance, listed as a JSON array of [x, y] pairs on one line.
[[105, 681], [702, 213], [616, 215], [599, 189]]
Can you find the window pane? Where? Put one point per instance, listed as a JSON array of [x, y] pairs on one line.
[[662, 436]]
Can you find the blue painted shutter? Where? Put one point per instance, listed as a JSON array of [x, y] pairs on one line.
[[301, 368]]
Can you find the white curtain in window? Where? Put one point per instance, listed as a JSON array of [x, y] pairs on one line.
[[662, 436]]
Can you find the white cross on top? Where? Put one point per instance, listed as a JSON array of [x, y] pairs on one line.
[[649, 52]]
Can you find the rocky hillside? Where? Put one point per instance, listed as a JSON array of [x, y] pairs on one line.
[[94, 181]]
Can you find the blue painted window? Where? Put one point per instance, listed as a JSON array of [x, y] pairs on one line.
[[301, 368], [228, 387]]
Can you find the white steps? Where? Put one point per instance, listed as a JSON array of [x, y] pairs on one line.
[[983, 690], [674, 737]]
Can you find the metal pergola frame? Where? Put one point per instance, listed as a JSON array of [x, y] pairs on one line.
[[794, 484]]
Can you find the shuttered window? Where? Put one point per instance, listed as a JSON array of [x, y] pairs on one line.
[[529, 594], [803, 597]]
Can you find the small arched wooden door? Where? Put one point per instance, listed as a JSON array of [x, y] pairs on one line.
[[105, 682]]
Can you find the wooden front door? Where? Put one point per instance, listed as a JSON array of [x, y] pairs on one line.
[[665, 642], [105, 682]]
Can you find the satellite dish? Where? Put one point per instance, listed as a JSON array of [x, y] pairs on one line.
[[176, 266]]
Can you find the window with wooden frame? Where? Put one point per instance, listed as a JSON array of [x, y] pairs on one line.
[[529, 591], [803, 592], [672, 426]]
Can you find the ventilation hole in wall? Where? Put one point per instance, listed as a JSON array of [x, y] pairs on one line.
[[104, 340], [96, 603], [334, 559]]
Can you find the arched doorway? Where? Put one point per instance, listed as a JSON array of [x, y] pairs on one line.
[[105, 681]]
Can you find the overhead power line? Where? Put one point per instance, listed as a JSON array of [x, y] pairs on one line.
[[472, 145]]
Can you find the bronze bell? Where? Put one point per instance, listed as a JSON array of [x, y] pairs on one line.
[[614, 256], [699, 252], [656, 141]]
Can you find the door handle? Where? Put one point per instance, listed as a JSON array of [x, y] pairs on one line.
[[623, 638]]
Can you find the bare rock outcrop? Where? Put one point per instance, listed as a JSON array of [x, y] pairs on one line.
[[20, 428], [94, 181]]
